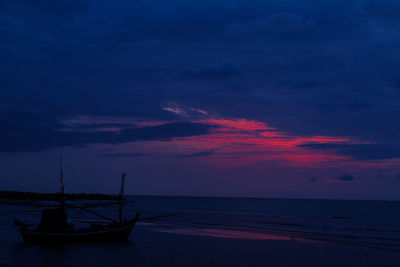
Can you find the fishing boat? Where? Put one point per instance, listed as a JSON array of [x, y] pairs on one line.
[[55, 227]]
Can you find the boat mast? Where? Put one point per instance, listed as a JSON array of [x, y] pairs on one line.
[[61, 177], [121, 194]]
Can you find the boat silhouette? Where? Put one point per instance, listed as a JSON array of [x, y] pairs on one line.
[[54, 226]]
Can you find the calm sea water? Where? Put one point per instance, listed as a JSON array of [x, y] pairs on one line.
[[359, 224]]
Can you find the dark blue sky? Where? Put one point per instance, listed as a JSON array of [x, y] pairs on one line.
[[239, 98]]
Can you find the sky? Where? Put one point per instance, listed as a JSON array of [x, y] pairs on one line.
[[277, 98]]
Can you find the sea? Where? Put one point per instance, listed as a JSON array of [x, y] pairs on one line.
[[208, 231]]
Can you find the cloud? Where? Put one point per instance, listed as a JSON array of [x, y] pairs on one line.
[[330, 51], [315, 179], [99, 126], [176, 110], [397, 84], [215, 71], [359, 151], [31, 132], [165, 131], [340, 178], [381, 9], [196, 154], [61, 7], [354, 105], [300, 83], [124, 155], [345, 178], [282, 26]]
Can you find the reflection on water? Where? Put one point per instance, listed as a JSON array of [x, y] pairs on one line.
[[231, 233], [225, 233]]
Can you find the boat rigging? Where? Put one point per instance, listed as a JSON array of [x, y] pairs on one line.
[[54, 225]]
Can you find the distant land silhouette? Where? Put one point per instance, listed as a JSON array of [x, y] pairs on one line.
[[54, 196]]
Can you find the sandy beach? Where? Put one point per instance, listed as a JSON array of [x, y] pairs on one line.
[[150, 247]]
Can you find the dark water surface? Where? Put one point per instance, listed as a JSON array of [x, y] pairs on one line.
[[227, 232]]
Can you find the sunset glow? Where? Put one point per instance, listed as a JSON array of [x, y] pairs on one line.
[[241, 142], [204, 97]]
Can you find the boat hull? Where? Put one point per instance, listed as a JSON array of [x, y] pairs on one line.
[[111, 233]]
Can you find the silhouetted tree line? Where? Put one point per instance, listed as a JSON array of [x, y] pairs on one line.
[[54, 196]]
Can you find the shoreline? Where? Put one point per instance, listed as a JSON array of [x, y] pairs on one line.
[[22, 195], [54, 196]]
